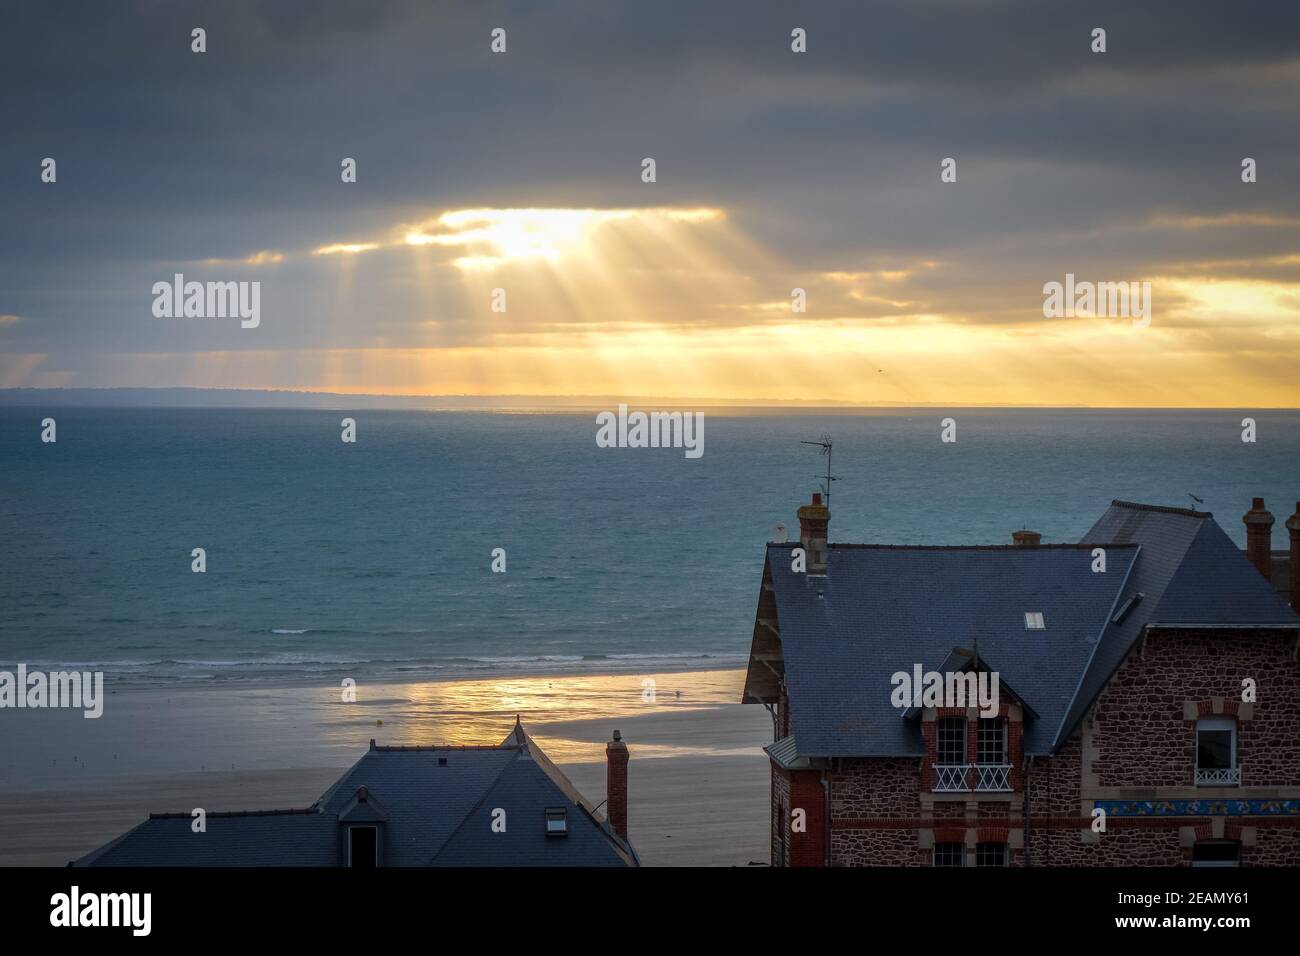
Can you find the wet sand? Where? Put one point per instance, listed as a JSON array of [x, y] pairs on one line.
[[698, 780]]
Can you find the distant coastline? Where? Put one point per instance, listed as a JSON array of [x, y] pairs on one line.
[[287, 398]]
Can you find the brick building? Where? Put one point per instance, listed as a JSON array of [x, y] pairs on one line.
[[1148, 706]]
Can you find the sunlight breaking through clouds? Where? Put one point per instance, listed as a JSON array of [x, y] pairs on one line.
[[496, 237]]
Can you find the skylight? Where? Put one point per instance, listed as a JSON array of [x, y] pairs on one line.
[[557, 821], [1034, 621]]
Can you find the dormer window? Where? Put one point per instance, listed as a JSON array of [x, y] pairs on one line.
[[557, 821], [991, 741], [1034, 621], [363, 847], [951, 741]]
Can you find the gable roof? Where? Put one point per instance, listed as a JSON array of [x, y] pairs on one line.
[[837, 639], [1189, 574], [881, 609], [435, 804], [961, 660]]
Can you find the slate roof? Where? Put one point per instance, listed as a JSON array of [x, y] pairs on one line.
[[1190, 573], [884, 608], [434, 803]]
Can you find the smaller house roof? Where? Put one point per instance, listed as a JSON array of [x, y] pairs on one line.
[[436, 805]]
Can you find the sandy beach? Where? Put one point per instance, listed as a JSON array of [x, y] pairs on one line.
[[698, 777]]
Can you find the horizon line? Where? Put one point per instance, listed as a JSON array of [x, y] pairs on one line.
[[155, 396]]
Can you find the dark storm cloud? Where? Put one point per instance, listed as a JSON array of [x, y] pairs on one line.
[[829, 160]]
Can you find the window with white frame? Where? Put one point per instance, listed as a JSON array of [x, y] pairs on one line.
[[1216, 752], [1034, 621], [991, 740], [950, 854], [951, 741], [990, 854]]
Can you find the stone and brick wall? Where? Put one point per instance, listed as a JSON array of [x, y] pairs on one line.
[[1143, 736], [1138, 743], [780, 815]]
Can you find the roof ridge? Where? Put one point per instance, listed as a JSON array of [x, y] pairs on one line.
[[487, 792], [1055, 741], [1162, 509], [188, 814]]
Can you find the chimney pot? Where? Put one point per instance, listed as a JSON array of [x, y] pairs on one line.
[[1259, 537], [616, 757], [814, 519]]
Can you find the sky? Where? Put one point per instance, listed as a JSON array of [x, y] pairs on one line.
[[522, 171]]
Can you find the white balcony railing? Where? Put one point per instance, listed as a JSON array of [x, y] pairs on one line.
[[972, 777], [1218, 777]]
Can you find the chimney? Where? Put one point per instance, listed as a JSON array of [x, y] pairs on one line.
[[616, 784], [1259, 538], [813, 520], [1293, 528], [1026, 539]]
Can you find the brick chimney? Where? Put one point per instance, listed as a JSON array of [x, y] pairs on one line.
[[1026, 539], [813, 521], [1259, 538], [616, 757], [1293, 529]]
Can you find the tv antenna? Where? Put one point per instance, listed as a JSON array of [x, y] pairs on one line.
[[825, 444]]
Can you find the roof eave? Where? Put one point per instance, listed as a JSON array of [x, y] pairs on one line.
[[1173, 625]]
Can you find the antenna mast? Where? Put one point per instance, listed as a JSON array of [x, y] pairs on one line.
[[825, 444]]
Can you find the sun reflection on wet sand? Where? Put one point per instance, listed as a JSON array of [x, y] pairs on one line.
[[571, 717]]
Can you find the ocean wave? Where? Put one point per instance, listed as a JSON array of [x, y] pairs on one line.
[[524, 659], [293, 667]]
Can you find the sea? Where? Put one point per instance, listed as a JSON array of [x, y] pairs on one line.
[[374, 559]]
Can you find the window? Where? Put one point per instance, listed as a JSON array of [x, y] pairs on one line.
[[363, 847], [557, 821], [952, 740], [1034, 621], [950, 854], [1216, 853], [991, 741], [990, 854], [1216, 752]]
